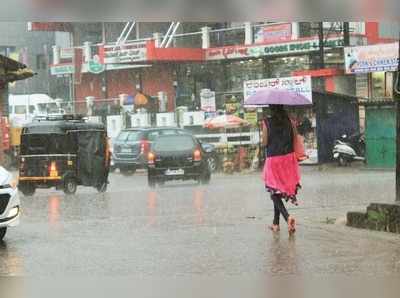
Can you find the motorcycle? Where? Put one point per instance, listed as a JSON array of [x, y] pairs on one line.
[[349, 149]]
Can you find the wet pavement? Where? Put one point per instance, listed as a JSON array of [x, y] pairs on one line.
[[183, 229]]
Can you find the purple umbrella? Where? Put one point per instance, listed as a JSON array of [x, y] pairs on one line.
[[266, 97]]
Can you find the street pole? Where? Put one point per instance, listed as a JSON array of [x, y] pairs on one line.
[[321, 81], [321, 44], [346, 34], [398, 131]]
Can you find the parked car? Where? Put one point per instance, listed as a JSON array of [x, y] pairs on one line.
[[178, 157], [131, 147], [9, 202]]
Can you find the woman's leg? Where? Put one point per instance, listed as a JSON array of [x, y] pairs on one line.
[[277, 213], [278, 205]]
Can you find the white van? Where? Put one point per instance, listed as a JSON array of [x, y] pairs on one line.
[[23, 108]]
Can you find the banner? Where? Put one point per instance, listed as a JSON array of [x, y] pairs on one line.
[[299, 84], [365, 59], [283, 48], [207, 98], [126, 53], [274, 33]]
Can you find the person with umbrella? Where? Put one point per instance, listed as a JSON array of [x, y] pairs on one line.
[[281, 172]]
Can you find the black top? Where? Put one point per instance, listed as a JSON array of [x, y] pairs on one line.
[[280, 137], [60, 127]]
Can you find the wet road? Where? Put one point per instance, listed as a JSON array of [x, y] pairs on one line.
[[183, 229]]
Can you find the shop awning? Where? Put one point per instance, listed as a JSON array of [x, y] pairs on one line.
[[11, 70]]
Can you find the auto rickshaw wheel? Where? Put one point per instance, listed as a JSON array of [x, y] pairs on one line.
[[27, 189], [102, 187], [70, 186], [3, 232]]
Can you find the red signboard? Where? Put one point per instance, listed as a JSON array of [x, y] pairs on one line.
[[324, 72], [174, 54], [274, 33], [49, 26]]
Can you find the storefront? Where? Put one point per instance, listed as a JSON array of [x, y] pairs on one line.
[[225, 69], [373, 67]]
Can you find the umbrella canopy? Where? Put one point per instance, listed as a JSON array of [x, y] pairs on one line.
[[13, 71], [266, 97], [225, 121]]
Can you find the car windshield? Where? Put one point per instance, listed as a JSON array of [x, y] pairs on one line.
[[130, 136], [20, 109], [174, 143]]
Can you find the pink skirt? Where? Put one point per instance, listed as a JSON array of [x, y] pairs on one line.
[[282, 176]]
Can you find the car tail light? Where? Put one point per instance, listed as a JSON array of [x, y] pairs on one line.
[[144, 146], [197, 155], [151, 158], [53, 169]]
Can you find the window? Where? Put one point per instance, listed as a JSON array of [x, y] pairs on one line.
[[32, 109], [133, 136], [378, 84], [41, 62], [172, 143], [153, 135], [20, 110]]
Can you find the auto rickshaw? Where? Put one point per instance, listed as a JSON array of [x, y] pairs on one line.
[[63, 152]]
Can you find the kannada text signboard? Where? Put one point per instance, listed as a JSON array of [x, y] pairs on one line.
[[298, 84]]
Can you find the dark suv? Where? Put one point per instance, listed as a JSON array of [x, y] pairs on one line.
[[132, 145], [179, 157]]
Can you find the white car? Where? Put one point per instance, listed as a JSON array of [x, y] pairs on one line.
[[9, 202]]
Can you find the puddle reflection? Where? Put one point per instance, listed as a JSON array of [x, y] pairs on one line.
[[283, 254], [151, 208], [198, 203], [54, 211], [11, 263]]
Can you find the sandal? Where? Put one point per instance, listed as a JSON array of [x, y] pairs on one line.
[[291, 225], [274, 228]]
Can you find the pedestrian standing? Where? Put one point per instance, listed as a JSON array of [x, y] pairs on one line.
[[281, 170]]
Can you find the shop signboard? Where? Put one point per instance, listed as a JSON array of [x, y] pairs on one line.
[[374, 58], [295, 47], [274, 33], [298, 84], [95, 66], [62, 69], [127, 53], [207, 98], [66, 53]]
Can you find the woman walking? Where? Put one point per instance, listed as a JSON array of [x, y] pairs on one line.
[[281, 170]]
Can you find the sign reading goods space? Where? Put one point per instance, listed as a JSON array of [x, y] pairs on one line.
[[238, 52]]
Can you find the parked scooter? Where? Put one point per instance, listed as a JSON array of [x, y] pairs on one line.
[[349, 149]]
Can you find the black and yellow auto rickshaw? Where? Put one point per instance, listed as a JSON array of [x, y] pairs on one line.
[[63, 152]]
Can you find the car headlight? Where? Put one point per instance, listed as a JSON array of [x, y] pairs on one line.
[[12, 184], [13, 212]]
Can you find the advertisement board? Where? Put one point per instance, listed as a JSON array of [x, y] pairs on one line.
[[207, 98], [274, 33], [133, 52], [298, 84], [374, 58], [294, 47]]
